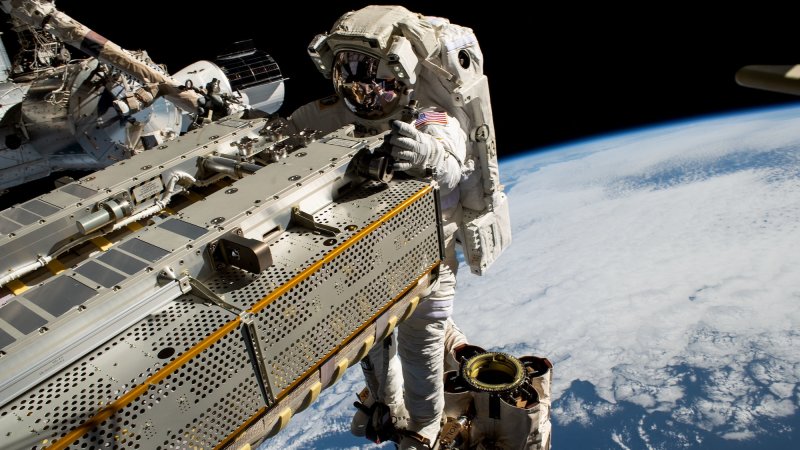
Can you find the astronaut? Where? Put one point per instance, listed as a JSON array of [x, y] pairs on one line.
[[382, 60], [433, 143]]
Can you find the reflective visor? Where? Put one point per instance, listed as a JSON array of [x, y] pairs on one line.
[[355, 80]]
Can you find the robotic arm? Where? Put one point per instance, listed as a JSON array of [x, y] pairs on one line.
[[42, 14]]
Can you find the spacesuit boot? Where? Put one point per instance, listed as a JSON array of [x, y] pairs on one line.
[[368, 419], [417, 442]]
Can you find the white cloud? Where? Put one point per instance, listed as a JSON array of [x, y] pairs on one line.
[[739, 435], [575, 409], [619, 440], [782, 390], [643, 434]]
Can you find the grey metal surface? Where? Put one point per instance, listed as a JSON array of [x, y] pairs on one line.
[[79, 199], [315, 298], [63, 199], [21, 216], [101, 377], [261, 203], [319, 313], [7, 226], [212, 396], [185, 229], [100, 274], [123, 262], [60, 295], [39, 207], [165, 239], [143, 250], [5, 338], [305, 393], [21, 318], [77, 190]]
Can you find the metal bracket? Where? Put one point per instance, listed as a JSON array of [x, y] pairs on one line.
[[235, 250], [306, 220], [167, 275], [437, 201], [188, 284], [201, 290], [249, 333]]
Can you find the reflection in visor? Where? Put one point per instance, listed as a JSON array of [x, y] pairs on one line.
[[355, 79]]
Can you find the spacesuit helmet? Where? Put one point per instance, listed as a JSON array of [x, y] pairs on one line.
[[356, 80]]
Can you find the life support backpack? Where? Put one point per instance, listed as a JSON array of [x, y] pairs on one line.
[[462, 89]]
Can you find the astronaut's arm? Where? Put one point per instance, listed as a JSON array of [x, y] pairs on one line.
[[440, 148], [325, 115], [448, 171]]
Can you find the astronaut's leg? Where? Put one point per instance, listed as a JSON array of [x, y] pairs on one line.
[[384, 384], [421, 346], [389, 377], [392, 393]]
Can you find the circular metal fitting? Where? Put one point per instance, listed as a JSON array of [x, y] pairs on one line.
[[493, 372], [482, 133]]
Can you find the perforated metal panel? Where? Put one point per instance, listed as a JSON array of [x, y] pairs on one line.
[[309, 321], [77, 393], [194, 407], [185, 377]]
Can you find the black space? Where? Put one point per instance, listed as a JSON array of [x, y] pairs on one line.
[[556, 73]]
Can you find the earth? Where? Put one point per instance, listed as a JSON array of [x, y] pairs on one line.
[[659, 270]]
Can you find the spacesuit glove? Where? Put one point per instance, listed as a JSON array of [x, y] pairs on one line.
[[412, 149]]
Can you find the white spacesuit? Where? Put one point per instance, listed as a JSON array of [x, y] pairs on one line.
[[434, 141], [380, 58]]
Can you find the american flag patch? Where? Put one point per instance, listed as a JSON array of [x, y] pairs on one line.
[[431, 117]]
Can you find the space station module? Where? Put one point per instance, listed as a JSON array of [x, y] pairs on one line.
[[59, 112]]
